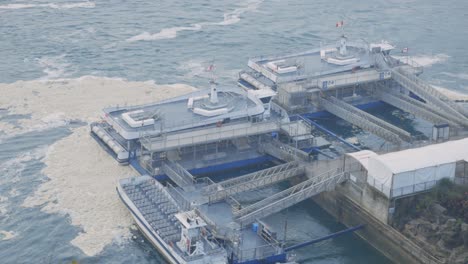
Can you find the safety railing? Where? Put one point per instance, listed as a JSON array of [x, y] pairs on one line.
[[413, 189], [180, 200], [258, 253]]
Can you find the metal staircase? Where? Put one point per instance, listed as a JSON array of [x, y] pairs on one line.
[[364, 120], [313, 186], [416, 108], [178, 174], [429, 94], [414, 84], [284, 152], [223, 190]]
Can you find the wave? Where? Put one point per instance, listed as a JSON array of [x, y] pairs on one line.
[[234, 16], [12, 171], [54, 66], [170, 33], [81, 175], [425, 60], [54, 120], [195, 68], [451, 94], [12, 168], [166, 33], [7, 235], [86, 4]]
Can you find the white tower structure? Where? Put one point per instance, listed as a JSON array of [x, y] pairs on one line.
[[343, 51], [214, 93]]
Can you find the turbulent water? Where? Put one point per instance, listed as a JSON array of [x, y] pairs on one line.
[[62, 61]]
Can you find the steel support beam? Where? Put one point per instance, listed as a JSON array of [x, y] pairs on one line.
[[178, 174], [400, 132], [253, 181], [416, 108], [430, 95], [323, 182], [360, 121]]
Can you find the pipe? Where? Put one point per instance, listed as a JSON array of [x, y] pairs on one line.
[[342, 232]]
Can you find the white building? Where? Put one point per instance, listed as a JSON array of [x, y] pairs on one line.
[[414, 170]]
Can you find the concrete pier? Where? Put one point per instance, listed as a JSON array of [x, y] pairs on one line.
[[341, 204]]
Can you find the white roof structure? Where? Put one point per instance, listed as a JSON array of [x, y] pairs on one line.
[[428, 156], [412, 170], [363, 157]]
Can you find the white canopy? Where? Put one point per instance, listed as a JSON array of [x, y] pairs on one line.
[[363, 157], [412, 170], [428, 156]]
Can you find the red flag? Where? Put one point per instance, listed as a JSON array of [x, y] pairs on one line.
[[210, 68], [340, 24]]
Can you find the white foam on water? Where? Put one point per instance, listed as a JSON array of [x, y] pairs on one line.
[[86, 4], [425, 60], [229, 19], [82, 176], [4, 204], [53, 120], [54, 67], [195, 68], [451, 94], [199, 68], [11, 169], [165, 33], [7, 235], [17, 6], [235, 15]]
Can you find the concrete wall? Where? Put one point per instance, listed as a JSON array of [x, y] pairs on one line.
[[381, 236]]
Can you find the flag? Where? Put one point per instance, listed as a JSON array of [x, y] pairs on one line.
[[210, 68], [340, 24], [404, 50]]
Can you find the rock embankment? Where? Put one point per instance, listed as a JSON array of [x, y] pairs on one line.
[[437, 232]]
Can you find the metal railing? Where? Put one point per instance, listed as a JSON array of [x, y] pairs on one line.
[[211, 134], [291, 196], [400, 132], [430, 95], [415, 107], [180, 200], [360, 121], [254, 181], [284, 152], [249, 177], [260, 252], [180, 179], [226, 233], [413, 189]]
